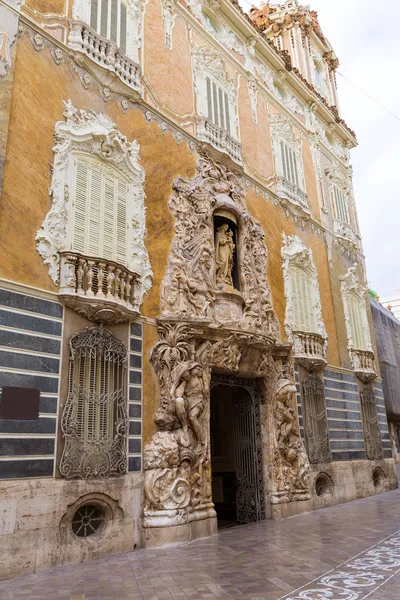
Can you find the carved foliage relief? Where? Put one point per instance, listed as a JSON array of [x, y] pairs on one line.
[[188, 289], [95, 134], [195, 338]]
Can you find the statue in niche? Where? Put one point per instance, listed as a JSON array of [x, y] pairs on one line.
[[188, 391], [224, 249], [289, 444]]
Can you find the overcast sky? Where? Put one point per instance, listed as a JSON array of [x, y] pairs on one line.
[[366, 39]]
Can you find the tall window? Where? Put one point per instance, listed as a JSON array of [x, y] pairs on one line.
[[301, 290], [316, 429], [372, 432], [218, 105], [356, 322], [109, 19], [340, 207], [289, 164], [99, 209], [94, 421]]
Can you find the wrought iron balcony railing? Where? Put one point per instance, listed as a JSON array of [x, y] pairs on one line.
[[219, 138], [292, 192], [363, 362], [106, 53], [98, 289], [310, 350]]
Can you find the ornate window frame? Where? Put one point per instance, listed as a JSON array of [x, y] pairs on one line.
[[296, 254], [94, 134], [208, 62], [350, 284], [81, 12]]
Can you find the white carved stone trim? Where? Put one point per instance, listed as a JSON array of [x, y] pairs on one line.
[[209, 63], [350, 284], [81, 12], [169, 21], [296, 254], [252, 87], [95, 134]]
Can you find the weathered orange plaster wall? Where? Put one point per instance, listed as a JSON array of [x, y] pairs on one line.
[[169, 72], [26, 202], [53, 7], [274, 223]]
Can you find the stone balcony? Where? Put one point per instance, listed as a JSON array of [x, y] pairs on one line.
[[310, 350], [98, 289], [105, 53], [345, 231], [363, 362], [292, 192], [219, 139]]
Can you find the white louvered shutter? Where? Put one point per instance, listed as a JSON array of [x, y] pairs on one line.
[[340, 205], [289, 164], [304, 317], [104, 18], [123, 28], [121, 221], [114, 21], [356, 322], [100, 210], [94, 9], [218, 105], [82, 187]]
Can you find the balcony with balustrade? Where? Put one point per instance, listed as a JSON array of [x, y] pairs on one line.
[[105, 53], [345, 231], [292, 192], [219, 139], [310, 350], [98, 289], [363, 362]]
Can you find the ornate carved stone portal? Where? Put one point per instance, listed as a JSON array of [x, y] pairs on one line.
[[204, 328]]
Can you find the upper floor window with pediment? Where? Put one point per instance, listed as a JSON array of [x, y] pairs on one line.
[[339, 203], [355, 310], [303, 320], [287, 150], [92, 239], [216, 103]]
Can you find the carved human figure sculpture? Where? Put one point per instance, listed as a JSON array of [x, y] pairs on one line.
[[289, 443], [224, 249], [188, 392]]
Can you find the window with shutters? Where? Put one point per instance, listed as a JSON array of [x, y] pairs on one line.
[[357, 331], [99, 209], [94, 422], [304, 324], [301, 289], [289, 163], [218, 105], [92, 238], [109, 18], [339, 203]]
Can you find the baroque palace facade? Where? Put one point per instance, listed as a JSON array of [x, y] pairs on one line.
[[185, 334]]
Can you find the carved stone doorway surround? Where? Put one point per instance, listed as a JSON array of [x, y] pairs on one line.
[[198, 334]]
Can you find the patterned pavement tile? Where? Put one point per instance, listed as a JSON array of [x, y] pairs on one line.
[[345, 552]]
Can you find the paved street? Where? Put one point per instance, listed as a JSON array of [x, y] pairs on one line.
[[347, 552]]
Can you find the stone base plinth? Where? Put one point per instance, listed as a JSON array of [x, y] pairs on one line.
[[36, 515], [179, 534], [290, 509], [349, 480]]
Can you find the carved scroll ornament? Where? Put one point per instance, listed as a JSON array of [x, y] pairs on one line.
[[189, 289]]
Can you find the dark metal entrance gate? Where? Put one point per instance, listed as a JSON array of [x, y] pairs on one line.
[[250, 495]]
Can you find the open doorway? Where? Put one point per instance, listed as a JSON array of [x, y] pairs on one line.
[[236, 454]]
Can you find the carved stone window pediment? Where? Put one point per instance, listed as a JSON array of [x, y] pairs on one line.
[[91, 134]]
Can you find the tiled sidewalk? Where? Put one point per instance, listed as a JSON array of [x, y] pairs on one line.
[[264, 561]]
